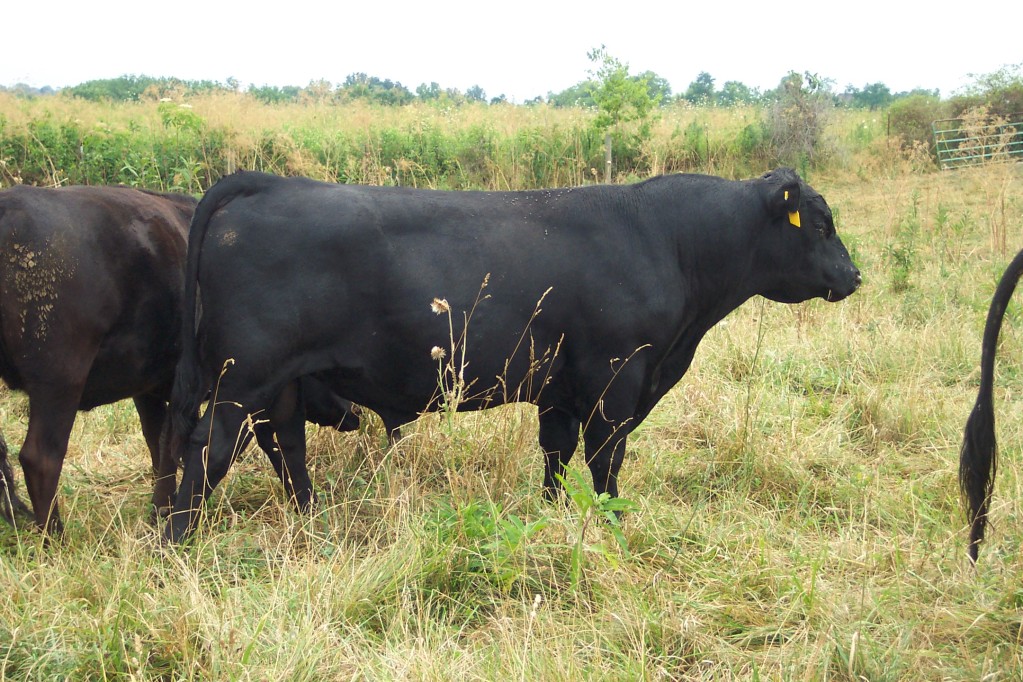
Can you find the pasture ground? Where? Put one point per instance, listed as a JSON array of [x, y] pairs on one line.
[[796, 509]]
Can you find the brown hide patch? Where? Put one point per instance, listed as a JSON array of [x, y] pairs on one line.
[[228, 238], [35, 277]]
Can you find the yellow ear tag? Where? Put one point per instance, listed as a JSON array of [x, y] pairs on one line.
[[793, 215]]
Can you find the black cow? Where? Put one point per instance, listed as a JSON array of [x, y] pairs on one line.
[[588, 302], [978, 455], [91, 282]]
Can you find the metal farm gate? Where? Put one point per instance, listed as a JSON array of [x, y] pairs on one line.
[[961, 143]]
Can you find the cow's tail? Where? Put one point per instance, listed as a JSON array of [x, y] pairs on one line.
[[978, 457], [189, 387]]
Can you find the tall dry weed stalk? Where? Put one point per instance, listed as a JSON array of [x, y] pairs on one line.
[[891, 165], [988, 144]]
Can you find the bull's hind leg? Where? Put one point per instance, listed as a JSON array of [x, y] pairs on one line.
[[51, 416], [219, 437], [11, 506], [559, 436], [152, 413], [283, 441], [152, 416]]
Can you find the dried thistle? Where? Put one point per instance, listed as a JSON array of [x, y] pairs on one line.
[[440, 306]]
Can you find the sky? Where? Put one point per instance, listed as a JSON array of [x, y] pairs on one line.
[[520, 48]]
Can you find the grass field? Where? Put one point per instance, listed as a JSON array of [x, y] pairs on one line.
[[796, 508]]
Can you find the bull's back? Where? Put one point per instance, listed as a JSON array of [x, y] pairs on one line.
[[400, 236], [393, 250]]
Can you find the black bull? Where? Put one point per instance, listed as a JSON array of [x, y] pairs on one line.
[[978, 455], [588, 302], [91, 282]]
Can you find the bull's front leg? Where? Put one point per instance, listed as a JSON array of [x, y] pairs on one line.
[[605, 451], [283, 441], [559, 436]]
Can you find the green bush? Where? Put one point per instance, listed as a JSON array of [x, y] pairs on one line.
[[752, 142], [911, 118]]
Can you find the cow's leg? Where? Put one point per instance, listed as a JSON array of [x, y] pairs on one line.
[[283, 441], [165, 475], [267, 440], [393, 434], [11, 505], [152, 416], [219, 437], [51, 416], [559, 436], [605, 450], [152, 412], [393, 421]]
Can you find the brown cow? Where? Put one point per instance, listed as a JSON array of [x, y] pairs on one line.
[[91, 283]]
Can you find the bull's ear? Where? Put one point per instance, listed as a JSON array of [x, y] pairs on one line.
[[783, 194]]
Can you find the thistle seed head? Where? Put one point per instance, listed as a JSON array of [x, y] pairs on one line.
[[440, 306]]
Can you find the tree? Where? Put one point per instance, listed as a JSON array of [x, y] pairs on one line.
[[134, 88], [701, 90], [355, 86], [1005, 77], [361, 86], [578, 95], [428, 92], [873, 96], [317, 91], [27, 91], [734, 92], [618, 97], [476, 94], [658, 88], [123, 88], [271, 94], [1001, 92], [453, 95]]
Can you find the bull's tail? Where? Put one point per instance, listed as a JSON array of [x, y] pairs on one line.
[[189, 387], [978, 457]]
